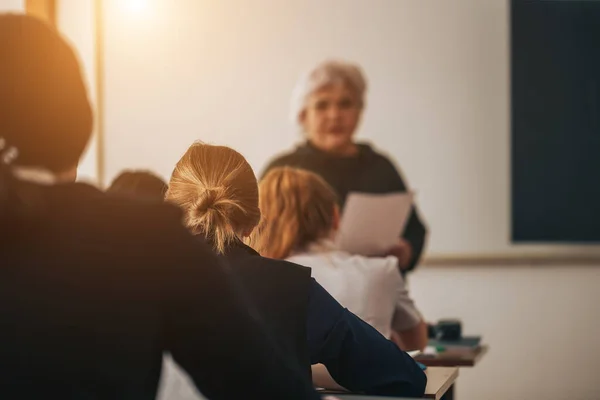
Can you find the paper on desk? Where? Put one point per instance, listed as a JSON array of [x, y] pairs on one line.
[[372, 223], [414, 353]]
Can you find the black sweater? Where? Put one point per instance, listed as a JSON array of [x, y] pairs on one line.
[[367, 172], [97, 288]]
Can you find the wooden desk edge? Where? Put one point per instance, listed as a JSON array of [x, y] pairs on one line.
[[448, 382], [510, 260], [455, 362], [483, 349]]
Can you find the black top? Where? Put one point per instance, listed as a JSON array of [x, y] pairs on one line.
[[102, 286], [280, 291], [367, 172], [357, 356]]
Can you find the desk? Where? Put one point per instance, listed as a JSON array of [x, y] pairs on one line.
[[467, 357], [439, 381], [360, 397], [454, 358]]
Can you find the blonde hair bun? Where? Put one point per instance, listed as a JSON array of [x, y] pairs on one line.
[[208, 199], [214, 206], [218, 191]]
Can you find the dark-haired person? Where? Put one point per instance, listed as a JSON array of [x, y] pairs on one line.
[[328, 103], [93, 287], [140, 184]]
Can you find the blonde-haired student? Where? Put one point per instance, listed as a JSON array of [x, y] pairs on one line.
[[218, 193], [301, 219]]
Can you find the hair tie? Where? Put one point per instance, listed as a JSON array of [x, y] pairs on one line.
[[208, 200]]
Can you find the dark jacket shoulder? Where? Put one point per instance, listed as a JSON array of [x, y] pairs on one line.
[[104, 285], [280, 290], [122, 225], [246, 256]]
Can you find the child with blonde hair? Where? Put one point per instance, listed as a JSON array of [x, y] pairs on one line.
[[302, 216]]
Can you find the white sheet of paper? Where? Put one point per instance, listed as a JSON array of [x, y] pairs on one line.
[[372, 223], [414, 353]]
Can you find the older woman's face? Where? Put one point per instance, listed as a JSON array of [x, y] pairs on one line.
[[331, 117]]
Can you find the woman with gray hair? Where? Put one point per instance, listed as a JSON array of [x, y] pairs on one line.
[[328, 103]]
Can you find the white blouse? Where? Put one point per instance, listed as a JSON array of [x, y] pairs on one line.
[[370, 287]]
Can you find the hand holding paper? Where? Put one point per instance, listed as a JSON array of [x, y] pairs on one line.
[[372, 223], [403, 252]]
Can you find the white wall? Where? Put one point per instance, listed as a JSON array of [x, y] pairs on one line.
[[76, 20], [541, 323], [223, 72], [12, 5], [438, 103]]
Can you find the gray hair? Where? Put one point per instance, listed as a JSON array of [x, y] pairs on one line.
[[330, 72]]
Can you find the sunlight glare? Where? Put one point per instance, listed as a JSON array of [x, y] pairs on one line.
[[135, 6]]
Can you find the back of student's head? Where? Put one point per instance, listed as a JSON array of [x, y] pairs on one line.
[[298, 207], [218, 192], [45, 115], [139, 184]]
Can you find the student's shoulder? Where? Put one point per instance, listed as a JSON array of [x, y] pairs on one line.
[[279, 266], [113, 217], [140, 214], [257, 271], [157, 228], [381, 265], [318, 260], [343, 261]]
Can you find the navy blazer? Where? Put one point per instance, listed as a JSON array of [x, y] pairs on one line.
[[356, 355], [280, 292]]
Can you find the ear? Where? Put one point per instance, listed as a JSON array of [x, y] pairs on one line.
[[302, 117]]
